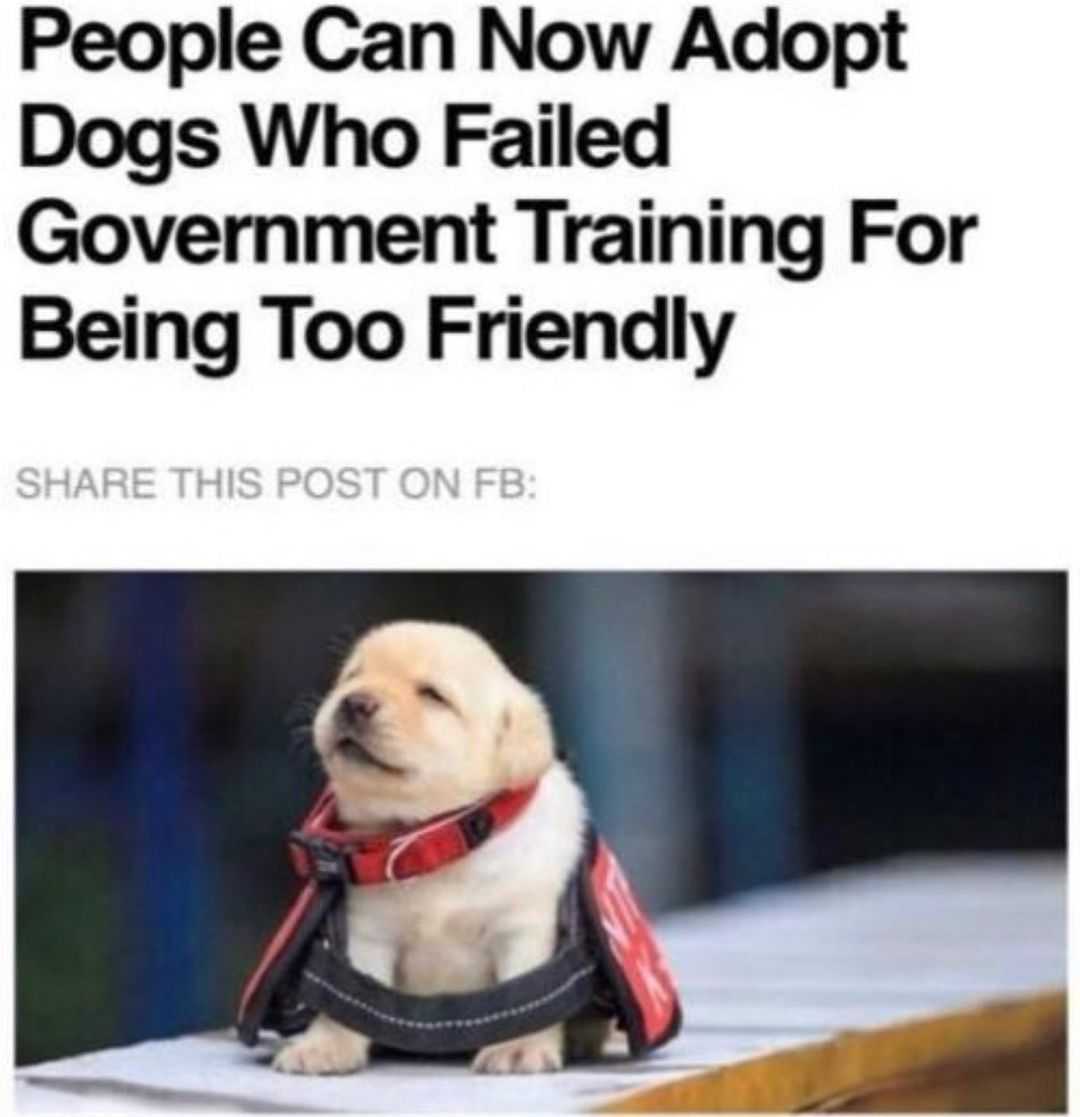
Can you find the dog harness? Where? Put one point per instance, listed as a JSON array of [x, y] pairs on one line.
[[607, 961]]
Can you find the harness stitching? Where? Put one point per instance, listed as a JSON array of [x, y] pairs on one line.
[[467, 1023]]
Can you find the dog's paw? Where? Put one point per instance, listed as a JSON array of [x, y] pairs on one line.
[[322, 1051], [538, 1054]]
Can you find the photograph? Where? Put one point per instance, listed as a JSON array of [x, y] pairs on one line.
[[549, 841]]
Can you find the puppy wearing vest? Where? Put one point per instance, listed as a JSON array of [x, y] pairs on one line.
[[425, 719], [455, 896]]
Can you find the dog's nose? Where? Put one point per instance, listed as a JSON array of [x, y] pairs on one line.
[[358, 707]]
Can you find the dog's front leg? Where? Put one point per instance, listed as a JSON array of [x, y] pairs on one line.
[[327, 1047], [516, 953]]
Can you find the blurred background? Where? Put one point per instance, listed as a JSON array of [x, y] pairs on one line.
[[731, 731]]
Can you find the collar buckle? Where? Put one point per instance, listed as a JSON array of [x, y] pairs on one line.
[[326, 862]]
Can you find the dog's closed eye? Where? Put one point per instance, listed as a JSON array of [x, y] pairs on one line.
[[432, 694]]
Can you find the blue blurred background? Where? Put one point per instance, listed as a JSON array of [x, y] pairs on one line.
[[731, 731]]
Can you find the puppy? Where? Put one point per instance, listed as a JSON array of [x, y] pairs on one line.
[[424, 719]]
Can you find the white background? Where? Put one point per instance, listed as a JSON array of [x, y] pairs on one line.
[[880, 417]]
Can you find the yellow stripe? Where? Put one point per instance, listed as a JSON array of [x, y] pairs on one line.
[[1005, 1056]]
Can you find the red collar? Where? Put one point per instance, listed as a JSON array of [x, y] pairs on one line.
[[320, 849]]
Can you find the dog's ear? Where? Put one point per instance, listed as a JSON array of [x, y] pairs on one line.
[[524, 745]]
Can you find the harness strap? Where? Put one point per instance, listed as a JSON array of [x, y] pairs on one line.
[[322, 851], [308, 911], [449, 1023]]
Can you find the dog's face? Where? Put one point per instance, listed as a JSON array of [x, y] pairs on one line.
[[424, 718]]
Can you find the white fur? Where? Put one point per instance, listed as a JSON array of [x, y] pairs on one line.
[[448, 930]]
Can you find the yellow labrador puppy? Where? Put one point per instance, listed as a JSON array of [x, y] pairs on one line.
[[423, 719]]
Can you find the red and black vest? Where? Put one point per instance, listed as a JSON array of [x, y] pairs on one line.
[[607, 960]]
